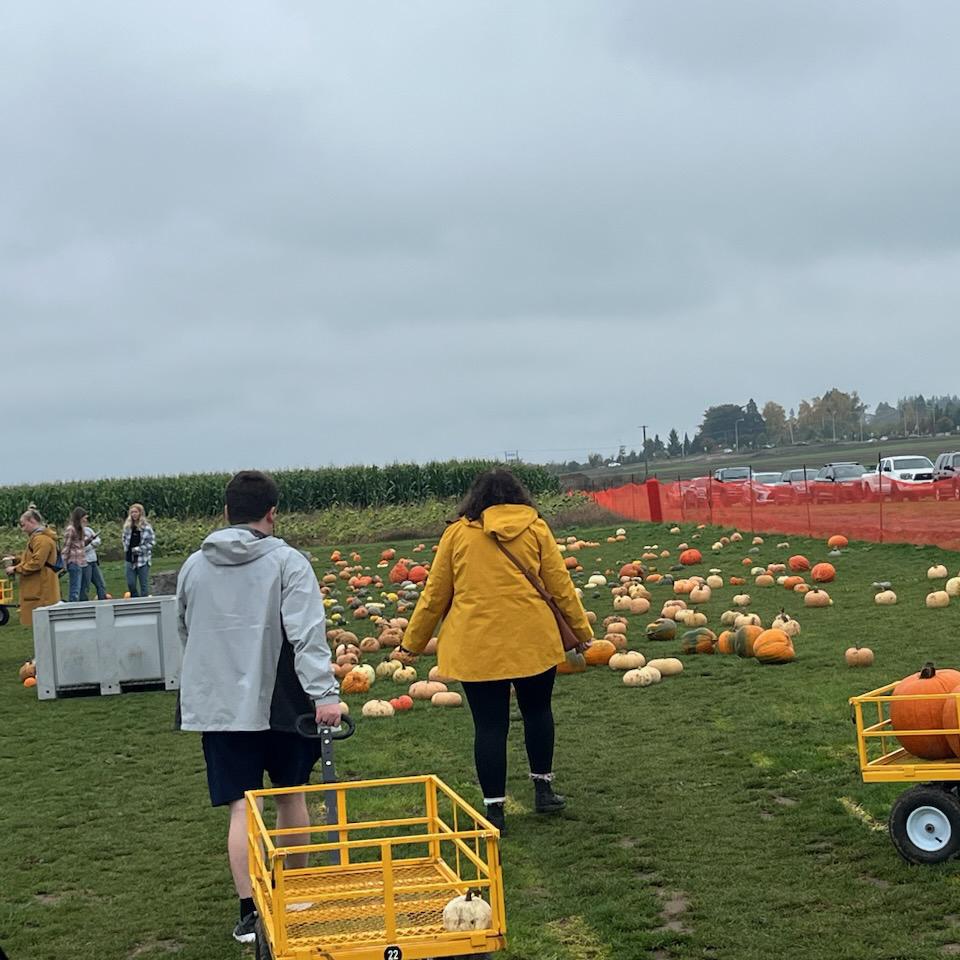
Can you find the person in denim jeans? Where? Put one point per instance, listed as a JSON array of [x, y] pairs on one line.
[[91, 572], [74, 552], [138, 541]]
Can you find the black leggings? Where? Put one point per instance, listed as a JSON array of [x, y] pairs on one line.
[[490, 705]]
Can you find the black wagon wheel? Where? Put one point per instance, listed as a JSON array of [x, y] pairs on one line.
[[925, 824], [262, 948], [4, 616]]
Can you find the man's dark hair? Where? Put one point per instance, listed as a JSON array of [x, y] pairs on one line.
[[491, 488], [250, 494]]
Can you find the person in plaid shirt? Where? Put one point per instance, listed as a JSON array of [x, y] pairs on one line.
[[138, 541], [74, 552]]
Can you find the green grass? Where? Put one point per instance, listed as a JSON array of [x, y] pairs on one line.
[[706, 814]]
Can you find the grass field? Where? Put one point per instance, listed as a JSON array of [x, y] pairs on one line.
[[709, 816]]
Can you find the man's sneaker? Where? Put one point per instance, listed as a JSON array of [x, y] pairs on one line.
[[246, 930]]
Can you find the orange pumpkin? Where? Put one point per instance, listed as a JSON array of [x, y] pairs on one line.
[[737, 581], [689, 557], [823, 572], [790, 582], [773, 646], [725, 642], [599, 653], [355, 682], [571, 563], [417, 574], [924, 714], [399, 573], [798, 563], [837, 542]]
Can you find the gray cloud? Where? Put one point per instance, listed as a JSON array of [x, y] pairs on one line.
[[298, 233]]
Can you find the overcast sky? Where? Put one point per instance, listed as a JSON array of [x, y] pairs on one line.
[[300, 233]]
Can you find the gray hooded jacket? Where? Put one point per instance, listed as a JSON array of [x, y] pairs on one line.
[[252, 625]]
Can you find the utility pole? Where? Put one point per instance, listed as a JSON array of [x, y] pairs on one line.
[[736, 432], [646, 466], [834, 427]]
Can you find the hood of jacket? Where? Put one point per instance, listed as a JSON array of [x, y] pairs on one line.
[[234, 546], [44, 532], [506, 521]]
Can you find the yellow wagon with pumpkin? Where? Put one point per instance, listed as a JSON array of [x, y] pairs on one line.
[[402, 868]]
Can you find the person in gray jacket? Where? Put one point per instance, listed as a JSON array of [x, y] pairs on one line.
[[255, 657]]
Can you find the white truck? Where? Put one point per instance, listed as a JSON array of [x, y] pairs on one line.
[[900, 478]]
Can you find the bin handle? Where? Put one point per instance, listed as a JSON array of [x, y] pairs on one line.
[[306, 726]]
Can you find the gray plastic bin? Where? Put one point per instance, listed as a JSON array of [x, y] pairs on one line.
[[110, 645]]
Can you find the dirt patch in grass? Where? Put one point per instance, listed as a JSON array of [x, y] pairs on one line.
[[155, 946], [580, 939]]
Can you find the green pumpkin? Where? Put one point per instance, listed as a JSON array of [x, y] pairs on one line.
[[698, 640], [662, 629], [743, 640]]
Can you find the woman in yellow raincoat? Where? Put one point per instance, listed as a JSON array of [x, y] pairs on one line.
[[39, 584], [497, 630]]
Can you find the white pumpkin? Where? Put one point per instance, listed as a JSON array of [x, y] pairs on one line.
[[387, 668], [953, 587], [938, 572], [937, 599], [714, 582], [469, 912], [643, 677], [627, 660], [885, 598], [742, 600], [377, 708]]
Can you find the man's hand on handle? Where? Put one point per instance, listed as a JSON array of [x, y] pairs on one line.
[[328, 715]]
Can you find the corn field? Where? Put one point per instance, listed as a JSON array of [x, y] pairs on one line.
[[301, 491]]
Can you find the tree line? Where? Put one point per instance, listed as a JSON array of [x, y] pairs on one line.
[[835, 416]]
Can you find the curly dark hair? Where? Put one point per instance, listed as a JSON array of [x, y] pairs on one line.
[[492, 488]]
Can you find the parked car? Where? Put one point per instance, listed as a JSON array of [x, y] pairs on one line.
[[899, 478], [838, 482], [946, 476], [795, 485], [732, 474]]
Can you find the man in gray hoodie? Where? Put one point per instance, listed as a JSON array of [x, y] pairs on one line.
[[255, 657]]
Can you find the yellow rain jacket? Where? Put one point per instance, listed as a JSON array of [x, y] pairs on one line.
[[498, 627]]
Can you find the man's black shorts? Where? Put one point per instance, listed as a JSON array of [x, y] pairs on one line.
[[236, 762]]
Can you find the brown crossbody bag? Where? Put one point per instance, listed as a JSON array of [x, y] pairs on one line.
[[568, 638]]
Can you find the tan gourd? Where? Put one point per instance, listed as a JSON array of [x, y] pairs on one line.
[[644, 677], [425, 689], [667, 666], [448, 699]]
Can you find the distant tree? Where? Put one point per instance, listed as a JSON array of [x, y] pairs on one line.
[[595, 460], [674, 447], [719, 424], [686, 444], [753, 426], [776, 420]]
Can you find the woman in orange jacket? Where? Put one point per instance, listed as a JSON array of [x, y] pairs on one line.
[[39, 584], [497, 630]]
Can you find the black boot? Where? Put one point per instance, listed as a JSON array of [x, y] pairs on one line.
[[545, 800], [494, 813]]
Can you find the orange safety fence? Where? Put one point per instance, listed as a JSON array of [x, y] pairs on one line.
[[882, 510]]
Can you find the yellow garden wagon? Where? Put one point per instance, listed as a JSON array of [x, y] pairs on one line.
[[924, 820], [6, 600], [389, 856]]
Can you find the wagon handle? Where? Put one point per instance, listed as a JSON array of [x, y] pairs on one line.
[[306, 726]]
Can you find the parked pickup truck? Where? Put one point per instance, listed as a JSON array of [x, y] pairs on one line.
[[899, 478], [946, 476]]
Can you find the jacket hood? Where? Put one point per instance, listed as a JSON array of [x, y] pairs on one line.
[[45, 532], [507, 521], [234, 546]]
